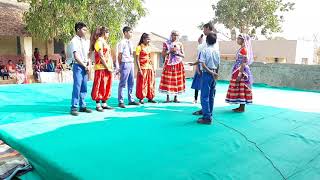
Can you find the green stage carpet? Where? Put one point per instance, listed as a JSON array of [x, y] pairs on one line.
[[277, 138]]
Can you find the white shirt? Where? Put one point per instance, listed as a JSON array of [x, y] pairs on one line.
[[126, 49], [81, 46]]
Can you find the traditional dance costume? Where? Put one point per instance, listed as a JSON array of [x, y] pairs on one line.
[[101, 89], [240, 92], [145, 87], [173, 75]]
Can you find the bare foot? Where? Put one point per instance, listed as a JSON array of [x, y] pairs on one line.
[[235, 109]]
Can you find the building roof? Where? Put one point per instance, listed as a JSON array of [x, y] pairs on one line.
[[11, 18]]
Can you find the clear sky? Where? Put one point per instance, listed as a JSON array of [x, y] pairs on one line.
[[186, 15]]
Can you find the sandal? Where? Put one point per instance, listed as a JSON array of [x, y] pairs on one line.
[[107, 107], [176, 101], [152, 101], [99, 109]]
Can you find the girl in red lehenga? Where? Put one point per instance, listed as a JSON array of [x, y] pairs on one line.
[[101, 89], [173, 75], [145, 87], [240, 88]]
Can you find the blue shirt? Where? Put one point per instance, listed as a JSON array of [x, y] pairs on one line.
[[210, 57]]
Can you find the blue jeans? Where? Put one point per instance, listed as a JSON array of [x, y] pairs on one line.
[[208, 92], [79, 92], [126, 78]]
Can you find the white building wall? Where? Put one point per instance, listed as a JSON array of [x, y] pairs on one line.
[[305, 51]]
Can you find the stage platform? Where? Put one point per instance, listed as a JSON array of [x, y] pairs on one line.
[[277, 138]]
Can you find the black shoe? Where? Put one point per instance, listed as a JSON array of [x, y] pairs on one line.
[[86, 110], [141, 101], [99, 109], [204, 121], [74, 113], [134, 103], [107, 107], [152, 101], [197, 113], [122, 105]]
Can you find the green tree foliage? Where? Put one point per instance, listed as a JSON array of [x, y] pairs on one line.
[[48, 19], [252, 16]]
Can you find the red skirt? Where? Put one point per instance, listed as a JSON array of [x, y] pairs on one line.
[[238, 92], [173, 79], [145, 87], [101, 89]]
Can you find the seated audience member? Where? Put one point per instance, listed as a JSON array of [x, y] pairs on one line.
[[11, 68], [21, 72], [51, 66], [3, 71], [37, 70]]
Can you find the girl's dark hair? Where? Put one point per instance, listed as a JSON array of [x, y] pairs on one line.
[[102, 31], [98, 32], [143, 36]]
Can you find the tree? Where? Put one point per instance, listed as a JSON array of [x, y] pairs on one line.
[[252, 16], [49, 19]]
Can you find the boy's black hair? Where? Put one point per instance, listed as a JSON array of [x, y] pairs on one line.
[[79, 25], [126, 29], [208, 25], [211, 39]]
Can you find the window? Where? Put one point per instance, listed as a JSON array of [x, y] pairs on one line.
[[276, 60], [18, 46], [58, 46]]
